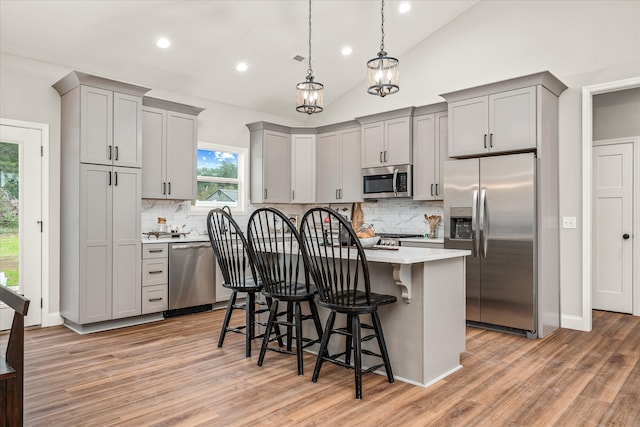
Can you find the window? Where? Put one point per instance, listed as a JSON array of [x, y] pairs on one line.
[[222, 178]]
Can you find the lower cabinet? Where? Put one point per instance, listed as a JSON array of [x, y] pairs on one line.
[[155, 277]]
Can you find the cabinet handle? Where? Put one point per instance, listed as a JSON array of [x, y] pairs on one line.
[[155, 299], [381, 157], [109, 152], [340, 192], [485, 140], [337, 194], [432, 189], [116, 174], [116, 152], [265, 194], [164, 188], [155, 272], [155, 251], [293, 194], [437, 193], [169, 188], [385, 156], [109, 177], [490, 140]]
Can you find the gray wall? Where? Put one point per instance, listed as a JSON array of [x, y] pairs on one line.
[[616, 114]]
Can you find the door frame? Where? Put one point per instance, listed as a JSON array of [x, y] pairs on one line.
[[45, 272], [587, 139]]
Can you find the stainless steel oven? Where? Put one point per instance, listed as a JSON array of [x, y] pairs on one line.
[[387, 182]]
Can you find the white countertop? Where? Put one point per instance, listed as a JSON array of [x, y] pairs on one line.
[[422, 239], [181, 239], [408, 255]]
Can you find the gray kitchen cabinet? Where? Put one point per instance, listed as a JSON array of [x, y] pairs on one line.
[[110, 119], [499, 117], [338, 164], [100, 199], [155, 277], [270, 158], [386, 138], [169, 150], [430, 148], [303, 168], [109, 281]]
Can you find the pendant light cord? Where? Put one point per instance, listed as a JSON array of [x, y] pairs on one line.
[[381, 27], [310, 71]]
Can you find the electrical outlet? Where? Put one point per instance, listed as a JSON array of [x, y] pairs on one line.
[[568, 222]]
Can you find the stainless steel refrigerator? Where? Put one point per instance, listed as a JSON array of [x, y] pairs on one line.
[[490, 209]]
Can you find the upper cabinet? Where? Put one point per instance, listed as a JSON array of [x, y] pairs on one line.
[[110, 115], [338, 159], [303, 168], [499, 117], [169, 150], [430, 148], [270, 154], [386, 138]]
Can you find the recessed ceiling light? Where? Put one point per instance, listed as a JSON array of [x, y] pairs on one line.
[[346, 51], [404, 7], [242, 66], [163, 43]]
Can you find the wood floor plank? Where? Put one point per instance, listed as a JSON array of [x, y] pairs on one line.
[[171, 373]]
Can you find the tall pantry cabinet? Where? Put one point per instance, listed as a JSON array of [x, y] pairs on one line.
[[101, 157]]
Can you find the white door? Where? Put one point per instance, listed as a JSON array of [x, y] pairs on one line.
[[21, 217], [612, 227]]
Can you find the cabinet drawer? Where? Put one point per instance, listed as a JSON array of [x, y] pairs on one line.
[[155, 298], [155, 271], [155, 250]]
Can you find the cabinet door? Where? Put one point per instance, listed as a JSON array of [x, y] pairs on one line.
[[95, 294], [397, 143], [127, 130], [442, 151], [512, 120], [181, 152], [424, 157], [276, 167], [468, 127], [153, 148], [329, 167], [127, 246], [96, 128], [351, 173], [373, 144], [303, 168]]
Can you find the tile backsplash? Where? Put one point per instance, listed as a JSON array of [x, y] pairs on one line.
[[386, 216]]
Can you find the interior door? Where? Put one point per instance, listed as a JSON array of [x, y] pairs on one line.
[[612, 227], [21, 217]]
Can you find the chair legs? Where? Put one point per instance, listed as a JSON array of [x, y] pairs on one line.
[[227, 317], [249, 328], [354, 339], [293, 327]]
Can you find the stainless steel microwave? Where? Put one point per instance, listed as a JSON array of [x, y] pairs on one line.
[[387, 182]]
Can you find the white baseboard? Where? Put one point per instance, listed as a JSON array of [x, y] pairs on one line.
[[51, 319]]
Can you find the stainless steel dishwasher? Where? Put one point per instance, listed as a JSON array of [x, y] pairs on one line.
[[192, 278]]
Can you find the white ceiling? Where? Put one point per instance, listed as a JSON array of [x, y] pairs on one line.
[[116, 39]]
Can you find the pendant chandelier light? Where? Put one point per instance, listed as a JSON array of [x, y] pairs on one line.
[[309, 94], [382, 72]]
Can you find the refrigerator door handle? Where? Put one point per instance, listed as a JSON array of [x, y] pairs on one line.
[[474, 224], [395, 185], [483, 223]]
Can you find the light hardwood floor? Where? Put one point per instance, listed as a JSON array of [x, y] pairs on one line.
[[172, 373]]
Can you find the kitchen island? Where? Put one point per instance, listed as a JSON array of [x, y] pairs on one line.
[[425, 328]]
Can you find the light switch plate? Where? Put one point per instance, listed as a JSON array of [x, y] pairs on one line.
[[568, 222]]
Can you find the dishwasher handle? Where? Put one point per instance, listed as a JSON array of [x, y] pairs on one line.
[[197, 246]]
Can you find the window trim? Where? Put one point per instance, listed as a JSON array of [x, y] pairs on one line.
[[243, 177]]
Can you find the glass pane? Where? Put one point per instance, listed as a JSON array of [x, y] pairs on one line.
[[217, 194], [9, 214], [217, 163]]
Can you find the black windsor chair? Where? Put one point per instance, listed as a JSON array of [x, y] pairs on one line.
[[341, 274], [275, 246], [232, 254]]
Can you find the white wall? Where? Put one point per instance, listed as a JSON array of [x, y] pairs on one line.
[[580, 42]]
